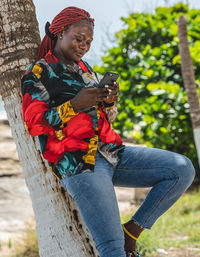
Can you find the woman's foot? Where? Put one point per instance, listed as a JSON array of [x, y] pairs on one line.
[[132, 254], [131, 234]]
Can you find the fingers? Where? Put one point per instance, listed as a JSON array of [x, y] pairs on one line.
[[113, 90], [101, 94], [113, 93], [94, 90], [108, 94], [116, 99], [97, 92], [116, 84]]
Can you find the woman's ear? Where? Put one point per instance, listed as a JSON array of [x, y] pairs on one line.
[[60, 35]]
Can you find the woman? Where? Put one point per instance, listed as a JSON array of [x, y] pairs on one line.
[[63, 105]]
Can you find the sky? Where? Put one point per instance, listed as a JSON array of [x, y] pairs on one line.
[[106, 13]]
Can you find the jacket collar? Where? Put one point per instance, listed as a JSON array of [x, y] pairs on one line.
[[53, 61]]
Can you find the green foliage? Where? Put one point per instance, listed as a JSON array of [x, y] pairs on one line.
[[152, 93], [9, 243]]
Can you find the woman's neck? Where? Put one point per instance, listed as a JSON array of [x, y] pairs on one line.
[[61, 58]]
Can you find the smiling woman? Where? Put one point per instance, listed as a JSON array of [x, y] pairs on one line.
[[74, 42], [63, 105], [67, 32]]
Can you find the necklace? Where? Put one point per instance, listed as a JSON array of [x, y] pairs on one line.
[[74, 67]]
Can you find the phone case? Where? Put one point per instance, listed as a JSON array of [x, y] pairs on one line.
[[108, 79]]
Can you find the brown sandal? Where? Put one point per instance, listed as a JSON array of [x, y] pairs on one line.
[[132, 254]]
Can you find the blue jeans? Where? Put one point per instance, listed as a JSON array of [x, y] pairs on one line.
[[169, 174]]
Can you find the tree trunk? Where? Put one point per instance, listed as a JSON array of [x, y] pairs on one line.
[[60, 229], [189, 81]]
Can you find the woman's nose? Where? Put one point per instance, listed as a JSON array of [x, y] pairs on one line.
[[83, 45]]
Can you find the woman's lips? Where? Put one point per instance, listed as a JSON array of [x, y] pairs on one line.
[[79, 54]]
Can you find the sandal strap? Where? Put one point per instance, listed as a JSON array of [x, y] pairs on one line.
[[136, 254], [128, 233]]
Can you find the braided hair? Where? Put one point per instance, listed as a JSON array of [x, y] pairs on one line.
[[61, 22]]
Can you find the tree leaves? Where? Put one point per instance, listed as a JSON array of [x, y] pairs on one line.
[[151, 86]]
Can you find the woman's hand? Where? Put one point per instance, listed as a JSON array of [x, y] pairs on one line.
[[89, 96], [113, 93]]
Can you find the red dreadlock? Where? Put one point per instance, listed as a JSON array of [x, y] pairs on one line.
[[60, 23]]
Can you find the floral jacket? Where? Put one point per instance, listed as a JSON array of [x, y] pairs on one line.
[[69, 140]]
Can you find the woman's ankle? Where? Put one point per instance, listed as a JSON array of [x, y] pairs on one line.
[[131, 233], [133, 228]]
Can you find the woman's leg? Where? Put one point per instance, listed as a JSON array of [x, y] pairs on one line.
[[169, 174], [94, 195]]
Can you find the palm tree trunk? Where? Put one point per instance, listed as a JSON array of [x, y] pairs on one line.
[[189, 81], [60, 229]]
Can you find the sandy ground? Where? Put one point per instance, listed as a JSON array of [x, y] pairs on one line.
[[15, 203]]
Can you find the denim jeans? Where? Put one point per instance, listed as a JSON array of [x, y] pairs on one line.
[[169, 174]]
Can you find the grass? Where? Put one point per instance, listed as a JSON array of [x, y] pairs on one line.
[[28, 246], [178, 228]]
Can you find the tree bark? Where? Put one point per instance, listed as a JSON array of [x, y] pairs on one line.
[[60, 229], [189, 81]]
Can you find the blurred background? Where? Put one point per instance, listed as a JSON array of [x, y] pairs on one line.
[[139, 40]]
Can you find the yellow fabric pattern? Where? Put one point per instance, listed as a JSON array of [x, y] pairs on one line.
[[66, 112], [89, 76], [54, 173], [37, 70], [26, 127], [98, 112], [59, 134], [91, 154]]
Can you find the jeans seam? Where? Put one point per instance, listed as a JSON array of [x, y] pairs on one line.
[[177, 178], [146, 168]]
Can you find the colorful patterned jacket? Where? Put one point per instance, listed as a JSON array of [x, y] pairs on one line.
[[69, 140]]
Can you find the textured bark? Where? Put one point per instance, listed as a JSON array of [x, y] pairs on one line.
[[60, 229], [189, 80]]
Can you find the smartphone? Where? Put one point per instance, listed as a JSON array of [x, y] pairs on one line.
[[108, 79]]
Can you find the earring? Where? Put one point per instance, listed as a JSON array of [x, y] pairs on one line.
[[61, 35]]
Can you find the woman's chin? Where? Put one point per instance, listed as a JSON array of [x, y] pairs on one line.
[[77, 58]]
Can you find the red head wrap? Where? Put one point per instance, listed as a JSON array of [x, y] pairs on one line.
[[60, 23]]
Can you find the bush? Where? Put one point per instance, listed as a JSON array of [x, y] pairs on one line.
[[152, 93]]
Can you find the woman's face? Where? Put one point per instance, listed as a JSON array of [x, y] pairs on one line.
[[75, 42]]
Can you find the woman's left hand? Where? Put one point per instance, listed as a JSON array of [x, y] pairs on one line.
[[113, 93]]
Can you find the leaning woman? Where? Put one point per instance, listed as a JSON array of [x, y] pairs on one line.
[[64, 107]]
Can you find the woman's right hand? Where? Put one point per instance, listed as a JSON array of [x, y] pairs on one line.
[[88, 96]]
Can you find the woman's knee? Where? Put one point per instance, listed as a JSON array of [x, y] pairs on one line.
[[189, 170], [185, 171]]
